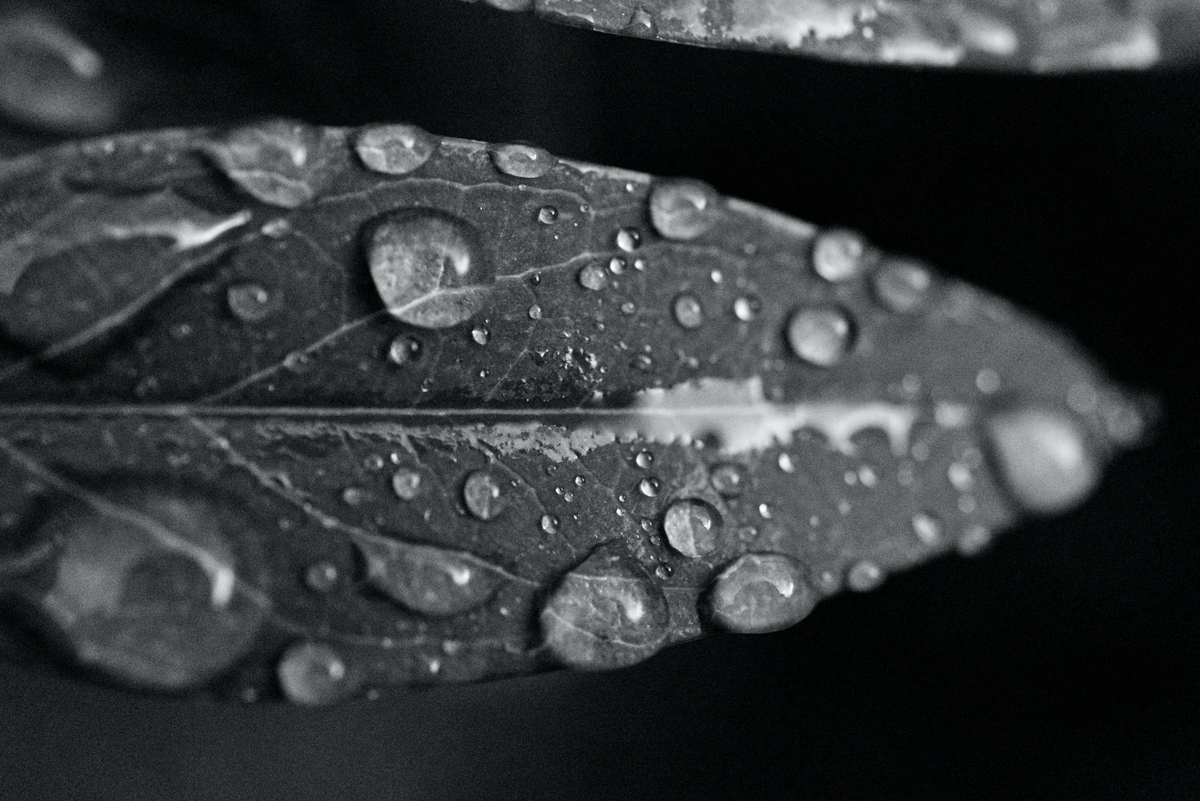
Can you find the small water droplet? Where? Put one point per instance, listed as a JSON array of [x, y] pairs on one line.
[[279, 162], [647, 524], [688, 312], [394, 149], [249, 302], [427, 579], [606, 613], [642, 363], [821, 335], [839, 255], [628, 307], [547, 215], [484, 495], [786, 464], [550, 524], [353, 496], [180, 331], [147, 387], [664, 571], [764, 511], [759, 593], [864, 576], [314, 673], [617, 265], [644, 459], [322, 577], [746, 308], [535, 312], [927, 527], [974, 540], [522, 161], [580, 481], [649, 486], [728, 480], [406, 483], [629, 239], [593, 277], [682, 209], [717, 276], [1043, 459], [480, 334], [692, 527], [404, 350], [639, 264], [960, 476], [987, 381], [903, 286]]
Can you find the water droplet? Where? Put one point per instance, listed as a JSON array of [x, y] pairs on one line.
[[580, 481], [547, 215], [483, 493], [746, 308], [426, 579], [639, 264], [644, 459], [313, 673], [394, 149], [593, 277], [987, 381], [406, 483], [428, 268], [279, 162], [606, 613], [404, 350], [864, 576], [903, 286], [688, 312], [649, 486], [535, 312], [974, 540], [522, 161], [550, 524], [480, 334], [628, 307], [353, 496], [629, 239], [716, 276], [322, 577], [664, 571], [249, 302], [728, 480], [642, 363], [821, 335], [1043, 459], [960, 477], [764, 511], [786, 464], [839, 255], [692, 527], [617, 265], [682, 209], [760, 593]]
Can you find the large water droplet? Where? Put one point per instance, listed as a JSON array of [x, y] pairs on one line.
[[280, 162], [606, 613], [428, 268], [692, 527], [683, 209], [644, 459], [903, 286], [426, 579], [1043, 459], [394, 149], [249, 302], [406, 483], [154, 589], [728, 480], [314, 673], [547, 215], [628, 240], [688, 312], [550, 524], [593, 277], [522, 161], [839, 255], [649, 486], [484, 493], [760, 593], [821, 335]]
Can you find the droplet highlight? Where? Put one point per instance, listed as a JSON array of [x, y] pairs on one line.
[[760, 593]]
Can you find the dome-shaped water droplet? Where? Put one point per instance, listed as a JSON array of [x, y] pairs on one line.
[[484, 493], [628, 307], [728, 480], [480, 334], [692, 527], [404, 350], [522, 161], [688, 312], [642, 363], [593, 277], [547, 215], [249, 302], [322, 577], [313, 673], [157, 589], [649, 486], [629, 239], [426, 579], [903, 286], [354, 496], [644, 459], [683, 209], [927, 527], [617, 265], [406, 483], [864, 576], [535, 312], [428, 268], [821, 335], [394, 149], [550, 524], [746, 308], [279, 162], [1043, 459], [760, 593], [839, 255], [606, 613]]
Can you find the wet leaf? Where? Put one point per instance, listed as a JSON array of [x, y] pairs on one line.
[[1039, 37], [306, 412]]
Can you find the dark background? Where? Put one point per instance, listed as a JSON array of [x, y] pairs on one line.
[[1061, 664]]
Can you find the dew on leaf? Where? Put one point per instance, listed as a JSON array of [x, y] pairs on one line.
[[628, 239], [427, 579], [649, 486], [404, 350], [728, 480], [535, 312], [1043, 459], [644, 459], [484, 493], [550, 524], [903, 286], [522, 161], [312, 674], [547, 215], [277, 162], [354, 496], [642, 363], [322, 577], [480, 334], [785, 463], [688, 312], [406, 483], [864, 576], [691, 527], [249, 302], [628, 307], [746, 308], [617, 265], [593, 277], [839, 255], [820, 335], [682, 209], [761, 592], [394, 149]]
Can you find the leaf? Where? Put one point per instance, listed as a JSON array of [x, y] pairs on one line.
[[312, 411], [1068, 36]]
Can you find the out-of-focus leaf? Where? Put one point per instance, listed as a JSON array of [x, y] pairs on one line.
[[1053, 36], [315, 410]]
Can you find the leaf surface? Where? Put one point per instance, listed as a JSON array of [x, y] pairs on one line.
[[312, 411]]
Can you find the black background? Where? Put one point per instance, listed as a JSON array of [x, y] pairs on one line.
[[1061, 664]]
